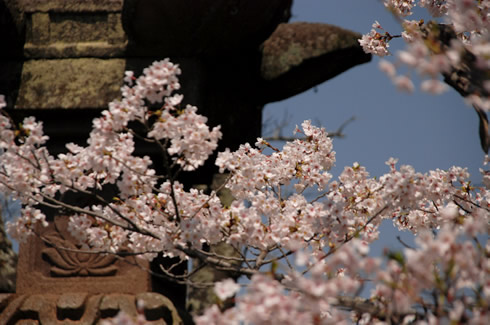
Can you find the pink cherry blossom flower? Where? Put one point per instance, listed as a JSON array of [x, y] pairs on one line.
[[433, 86], [374, 42], [400, 7], [388, 68], [429, 51], [436, 8], [226, 288], [404, 83]]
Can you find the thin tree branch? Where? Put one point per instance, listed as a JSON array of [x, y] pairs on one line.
[[335, 134]]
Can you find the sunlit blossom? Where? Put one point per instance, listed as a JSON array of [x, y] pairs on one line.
[[330, 233]]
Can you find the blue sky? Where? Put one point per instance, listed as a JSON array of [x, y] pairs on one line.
[[422, 130]]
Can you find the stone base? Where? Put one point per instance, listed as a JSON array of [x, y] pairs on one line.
[[54, 266], [84, 308]]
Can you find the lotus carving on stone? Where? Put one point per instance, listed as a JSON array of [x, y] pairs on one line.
[[61, 253]]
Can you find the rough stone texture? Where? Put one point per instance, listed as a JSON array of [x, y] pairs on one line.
[[9, 307], [298, 56], [65, 34], [69, 83], [71, 5], [8, 261], [71, 28], [4, 299], [38, 28], [71, 300], [110, 304], [85, 309], [292, 44], [87, 49], [57, 268]]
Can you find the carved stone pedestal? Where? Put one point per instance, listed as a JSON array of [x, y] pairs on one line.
[[56, 284], [85, 308], [53, 265]]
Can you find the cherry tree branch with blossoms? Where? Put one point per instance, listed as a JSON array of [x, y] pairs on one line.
[[455, 44], [306, 258]]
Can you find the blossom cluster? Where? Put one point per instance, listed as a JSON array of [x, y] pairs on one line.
[[306, 256], [445, 266], [457, 48], [400, 7], [376, 42], [29, 173], [335, 234]]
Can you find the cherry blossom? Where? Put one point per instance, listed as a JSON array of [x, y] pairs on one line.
[[404, 83], [436, 8], [24, 227], [305, 256], [454, 46], [400, 7], [375, 42], [226, 288]]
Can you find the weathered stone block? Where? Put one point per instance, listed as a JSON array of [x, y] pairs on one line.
[[70, 83], [71, 5], [112, 303], [38, 28], [157, 306], [71, 27], [87, 309], [292, 44], [74, 50], [62, 29], [54, 266], [115, 31], [71, 300]]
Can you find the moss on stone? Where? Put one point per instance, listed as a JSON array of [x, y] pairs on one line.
[[70, 83], [292, 44]]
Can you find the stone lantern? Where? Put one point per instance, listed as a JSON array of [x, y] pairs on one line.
[[65, 60]]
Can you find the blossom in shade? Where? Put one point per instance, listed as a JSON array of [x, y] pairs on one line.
[[226, 288]]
